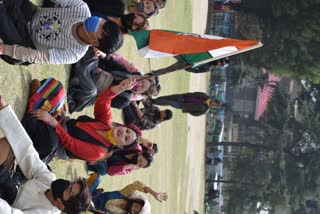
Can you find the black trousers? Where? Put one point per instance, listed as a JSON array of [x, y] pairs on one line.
[[82, 89], [43, 136], [8, 187], [174, 100], [14, 18], [129, 115]]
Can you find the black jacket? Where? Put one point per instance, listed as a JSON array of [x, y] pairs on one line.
[[115, 8], [83, 90]]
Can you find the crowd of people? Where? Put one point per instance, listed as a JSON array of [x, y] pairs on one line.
[[85, 34]]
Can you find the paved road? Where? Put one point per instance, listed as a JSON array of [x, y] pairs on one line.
[[196, 134]]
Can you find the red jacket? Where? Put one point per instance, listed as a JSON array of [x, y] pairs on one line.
[[103, 118]]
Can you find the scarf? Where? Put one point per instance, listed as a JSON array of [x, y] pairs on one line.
[[207, 102], [110, 137]]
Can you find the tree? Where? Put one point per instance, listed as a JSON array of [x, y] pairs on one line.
[[250, 27], [244, 74], [282, 168], [290, 36]]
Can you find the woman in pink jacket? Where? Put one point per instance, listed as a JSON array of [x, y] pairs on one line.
[[123, 162]]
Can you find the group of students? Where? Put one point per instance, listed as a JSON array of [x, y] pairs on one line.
[[64, 32]]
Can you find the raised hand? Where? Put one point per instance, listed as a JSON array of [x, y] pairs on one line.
[[161, 196], [147, 143], [2, 102], [124, 85], [99, 53], [127, 84]]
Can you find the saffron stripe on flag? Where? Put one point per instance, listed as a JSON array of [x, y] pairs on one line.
[[172, 43]]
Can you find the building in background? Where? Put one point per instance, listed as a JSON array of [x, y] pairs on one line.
[[222, 19]]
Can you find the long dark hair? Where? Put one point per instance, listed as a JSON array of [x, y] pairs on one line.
[[131, 201], [148, 157], [154, 147], [123, 152], [127, 21], [112, 39], [80, 202]]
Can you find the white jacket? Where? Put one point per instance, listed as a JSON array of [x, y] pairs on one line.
[[31, 196]]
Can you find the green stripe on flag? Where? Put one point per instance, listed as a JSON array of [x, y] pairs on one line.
[[193, 58], [142, 38]]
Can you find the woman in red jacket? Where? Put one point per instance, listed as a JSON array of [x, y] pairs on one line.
[[86, 138]]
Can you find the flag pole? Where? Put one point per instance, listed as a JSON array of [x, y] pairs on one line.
[[153, 74]]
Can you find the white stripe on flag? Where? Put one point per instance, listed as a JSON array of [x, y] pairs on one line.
[[229, 54], [206, 36], [148, 53], [223, 51], [211, 37], [144, 51]]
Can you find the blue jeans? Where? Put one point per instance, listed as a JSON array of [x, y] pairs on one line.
[[100, 167]]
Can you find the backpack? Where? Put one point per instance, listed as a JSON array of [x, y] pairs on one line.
[[49, 97]]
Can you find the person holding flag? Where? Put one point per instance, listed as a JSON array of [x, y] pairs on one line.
[[92, 74], [182, 64]]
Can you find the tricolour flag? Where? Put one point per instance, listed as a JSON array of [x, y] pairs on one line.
[[193, 48]]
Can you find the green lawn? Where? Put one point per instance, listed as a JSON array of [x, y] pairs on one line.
[[169, 171]]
